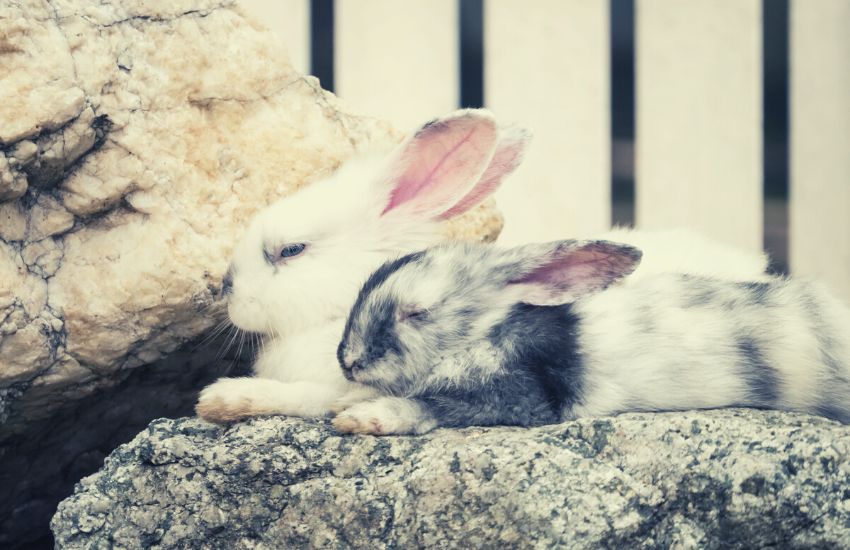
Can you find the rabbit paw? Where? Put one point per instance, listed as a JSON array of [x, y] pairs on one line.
[[384, 416], [371, 417], [229, 400]]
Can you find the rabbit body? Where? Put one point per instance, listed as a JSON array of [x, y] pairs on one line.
[[678, 342], [536, 335]]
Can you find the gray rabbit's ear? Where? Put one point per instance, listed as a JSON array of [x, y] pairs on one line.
[[563, 271]]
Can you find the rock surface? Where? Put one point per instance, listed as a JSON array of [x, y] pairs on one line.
[[136, 140], [40, 468], [714, 479]]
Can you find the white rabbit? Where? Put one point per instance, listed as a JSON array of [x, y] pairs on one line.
[[685, 251], [296, 272], [461, 335]]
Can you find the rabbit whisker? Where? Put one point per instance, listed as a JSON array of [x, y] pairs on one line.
[[212, 334], [230, 338]]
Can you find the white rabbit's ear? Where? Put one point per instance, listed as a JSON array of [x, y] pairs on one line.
[[509, 152], [440, 163], [561, 272]]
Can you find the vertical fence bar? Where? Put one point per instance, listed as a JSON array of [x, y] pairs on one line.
[[471, 28], [699, 138], [398, 60], [820, 141], [623, 112], [290, 19], [775, 157], [322, 39], [547, 65]]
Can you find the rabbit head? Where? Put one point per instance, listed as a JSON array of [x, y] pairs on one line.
[[303, 258], [441, 313]]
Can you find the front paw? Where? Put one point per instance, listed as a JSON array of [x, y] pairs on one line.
[[363, 418], [384, 416], [227, 400]]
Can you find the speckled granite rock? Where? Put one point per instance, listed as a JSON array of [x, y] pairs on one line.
[[136, 140], [715, 479]]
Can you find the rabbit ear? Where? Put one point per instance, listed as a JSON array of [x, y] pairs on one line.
[[561, 272], [508, 156], [438, 166]]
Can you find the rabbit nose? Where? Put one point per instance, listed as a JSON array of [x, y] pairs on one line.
[[227, 283], [349, 367], [348, 357], [352, 365]]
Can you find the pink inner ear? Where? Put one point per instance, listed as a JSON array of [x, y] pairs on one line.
[[507, 157], [441, 162], [574, 270], [567, 268]]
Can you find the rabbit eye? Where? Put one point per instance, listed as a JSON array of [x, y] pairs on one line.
[[412, 314], [275, 256], [292, 250]]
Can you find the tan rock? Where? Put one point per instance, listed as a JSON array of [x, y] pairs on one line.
[[13, 221], [38, 85], [31, 349], [48, 217], [13, 183]]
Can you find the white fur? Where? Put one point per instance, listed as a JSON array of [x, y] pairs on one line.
[[689, 358], [385, 416], [685, 251]]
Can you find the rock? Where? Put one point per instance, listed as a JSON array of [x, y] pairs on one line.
[[43, 465], [136, 141], [713, 479]]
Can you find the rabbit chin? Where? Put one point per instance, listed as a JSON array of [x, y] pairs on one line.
[[249, 315], [266, 311]]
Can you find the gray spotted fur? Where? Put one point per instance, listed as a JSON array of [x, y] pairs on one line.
[[477, 354]]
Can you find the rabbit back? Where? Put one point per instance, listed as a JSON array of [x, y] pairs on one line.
[[674, 342]]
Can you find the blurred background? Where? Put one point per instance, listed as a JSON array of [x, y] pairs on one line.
[[731, 117]]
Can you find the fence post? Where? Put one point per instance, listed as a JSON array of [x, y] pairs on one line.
[[820, 141], [547, 65], [397, 60], [699, 133]]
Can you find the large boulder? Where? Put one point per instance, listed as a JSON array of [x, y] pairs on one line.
[[714, 479], [136, 140]]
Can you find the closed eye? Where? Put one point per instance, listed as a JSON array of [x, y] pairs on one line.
[[412, 314]]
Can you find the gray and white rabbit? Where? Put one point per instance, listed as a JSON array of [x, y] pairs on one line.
[[461, 335]]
